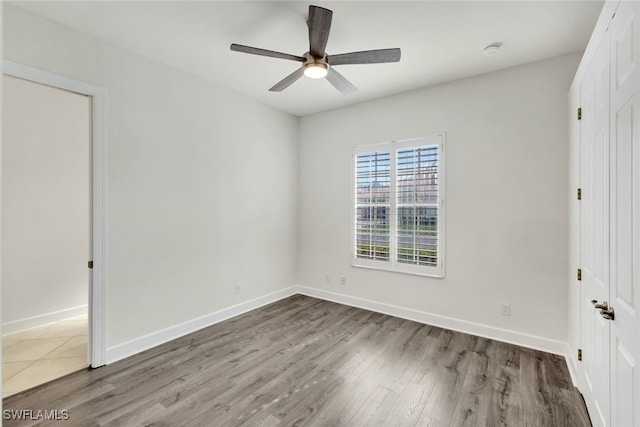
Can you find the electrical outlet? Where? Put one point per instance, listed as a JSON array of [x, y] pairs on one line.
[[327, 279], [343, 281], [506, 309], [237, 289]]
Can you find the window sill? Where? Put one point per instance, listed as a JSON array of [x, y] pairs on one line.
[[434, 273]]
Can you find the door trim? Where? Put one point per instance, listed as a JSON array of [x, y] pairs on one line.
[[97, 341]]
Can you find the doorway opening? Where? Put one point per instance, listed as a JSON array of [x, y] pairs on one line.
[[52, 227]]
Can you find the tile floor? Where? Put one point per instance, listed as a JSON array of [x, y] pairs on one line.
[[38, 355]]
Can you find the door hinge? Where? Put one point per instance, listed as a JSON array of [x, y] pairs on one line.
[[579, 193], [580, 113], [580, 355], [579, 274], [90, 264]]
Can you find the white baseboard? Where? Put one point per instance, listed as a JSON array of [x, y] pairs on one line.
[[42, 319], [509, 336], [137, 345], [148, 341]]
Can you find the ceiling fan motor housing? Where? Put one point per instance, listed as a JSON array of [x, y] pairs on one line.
[[311, 60]]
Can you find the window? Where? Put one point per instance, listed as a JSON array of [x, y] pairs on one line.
[[399, 206]]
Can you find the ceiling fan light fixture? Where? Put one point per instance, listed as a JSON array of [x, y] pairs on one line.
[[316, 70]]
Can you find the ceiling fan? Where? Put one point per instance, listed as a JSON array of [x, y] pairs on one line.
[[316, 63]]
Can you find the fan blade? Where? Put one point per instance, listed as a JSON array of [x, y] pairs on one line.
[[377, 56], [288, 81], [340, 82], [319, 26], [265, 52]]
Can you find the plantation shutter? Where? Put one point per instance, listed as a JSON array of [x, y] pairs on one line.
[[399, 210], [417, 205], [373, 205]]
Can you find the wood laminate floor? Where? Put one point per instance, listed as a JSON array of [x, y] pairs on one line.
[[307, 362]]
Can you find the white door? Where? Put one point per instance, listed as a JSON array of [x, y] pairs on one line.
[[625, 215], [594, 224]]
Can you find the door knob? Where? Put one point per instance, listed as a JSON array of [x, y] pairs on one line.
[[608, 313], [596, 305]]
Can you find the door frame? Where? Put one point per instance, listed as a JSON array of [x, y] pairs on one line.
[[96, 303]]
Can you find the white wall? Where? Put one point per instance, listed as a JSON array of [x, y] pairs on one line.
[[45, 202], [507, 215], [201, 188]]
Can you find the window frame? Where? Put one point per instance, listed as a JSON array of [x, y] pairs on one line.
[[392, 264]]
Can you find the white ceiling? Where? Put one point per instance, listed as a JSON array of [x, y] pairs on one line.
[[440, 41]]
